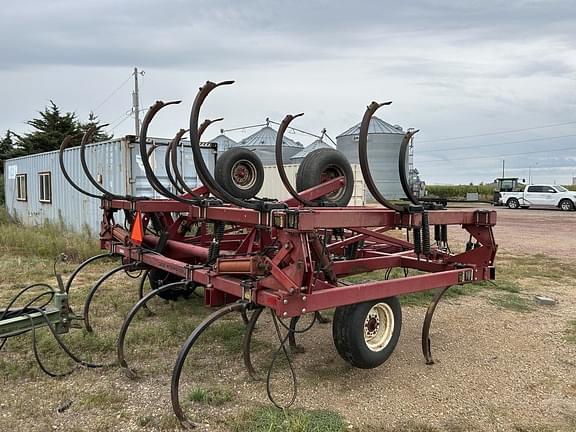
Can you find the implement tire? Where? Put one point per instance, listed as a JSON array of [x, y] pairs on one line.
[[240, 172], [322, 165], [366, 334]]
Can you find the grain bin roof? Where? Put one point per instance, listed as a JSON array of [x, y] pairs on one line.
[[377, 126], [223, 142], [318, 144], [267, 137]]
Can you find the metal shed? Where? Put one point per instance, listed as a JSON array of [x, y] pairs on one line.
[[36, 191], [383, 151], [263, 143]]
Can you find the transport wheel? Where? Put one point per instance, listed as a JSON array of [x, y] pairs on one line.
[[513, 203], [365, 334], [322, 165], [240, 172], [159, 278], [566, 205]]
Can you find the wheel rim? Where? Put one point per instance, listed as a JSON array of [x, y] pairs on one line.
[[243, 173], [512, 204], [328, 174], [565, 205], [378, 326]]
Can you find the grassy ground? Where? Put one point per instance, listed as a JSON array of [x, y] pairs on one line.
[[215, 389]]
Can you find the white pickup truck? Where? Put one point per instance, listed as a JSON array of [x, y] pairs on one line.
[[540, 195]]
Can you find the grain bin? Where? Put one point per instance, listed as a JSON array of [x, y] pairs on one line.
[[318, 144], [383, 150], [263, 143], [223, 143]]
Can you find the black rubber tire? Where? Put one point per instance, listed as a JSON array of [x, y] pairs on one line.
[[159, 278], [566, 205], [326, 162], [349, 338], [250, 162], [513, 203]]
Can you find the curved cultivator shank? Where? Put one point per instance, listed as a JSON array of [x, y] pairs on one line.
[[291, 257]]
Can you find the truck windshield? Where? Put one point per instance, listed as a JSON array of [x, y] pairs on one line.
[[561, 189]]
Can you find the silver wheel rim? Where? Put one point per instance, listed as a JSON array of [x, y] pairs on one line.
[[332, 172], [378, 327], [243, 174], [565, 205]]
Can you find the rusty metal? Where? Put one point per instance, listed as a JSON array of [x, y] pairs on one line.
[[86, 139], [426, 343], [363, 157], [183, 354], [402, 167], [66, 144], [141, 304], [171, 163], [280, 163]]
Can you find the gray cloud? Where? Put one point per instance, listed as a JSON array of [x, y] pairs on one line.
[[452, 68]]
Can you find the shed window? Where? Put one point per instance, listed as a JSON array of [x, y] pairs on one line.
[[45, 187], [21, 187]]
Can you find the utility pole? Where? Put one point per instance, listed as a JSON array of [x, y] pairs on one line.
[[136, 102], [503, 162]]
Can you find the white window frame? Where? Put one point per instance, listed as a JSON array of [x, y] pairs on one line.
[[45, 195], [21, 192]]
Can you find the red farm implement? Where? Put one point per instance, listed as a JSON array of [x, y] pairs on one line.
[[291, 257]]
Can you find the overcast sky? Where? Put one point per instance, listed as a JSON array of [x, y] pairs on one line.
[[452, 69]]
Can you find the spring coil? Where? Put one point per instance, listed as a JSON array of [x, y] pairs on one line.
[[417, 241], [425, 234], [214, 249]]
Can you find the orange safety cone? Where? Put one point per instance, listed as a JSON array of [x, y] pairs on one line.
[[137, 234]]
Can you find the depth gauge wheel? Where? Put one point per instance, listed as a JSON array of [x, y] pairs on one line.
[[322, 165], [159, 278], [365, 334], [513, 203], [240, 172]]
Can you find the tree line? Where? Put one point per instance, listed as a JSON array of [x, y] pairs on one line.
[[48, 131]]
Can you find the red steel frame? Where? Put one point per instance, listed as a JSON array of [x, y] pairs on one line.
[[273, 258]]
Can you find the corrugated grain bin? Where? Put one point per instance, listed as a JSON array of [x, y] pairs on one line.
[[383, 151], [318, 144], [263, 143], [273, 187], [36, 191]]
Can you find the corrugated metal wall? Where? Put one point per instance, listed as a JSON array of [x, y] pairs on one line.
[[273, 187], [383, 152], [116, 164]]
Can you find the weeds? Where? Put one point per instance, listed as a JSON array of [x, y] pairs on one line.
[[270, 419], [45, 241], [512, 302], [213, 396]]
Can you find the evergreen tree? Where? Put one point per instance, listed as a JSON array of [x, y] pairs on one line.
[[53, 126], [94, 121], [6, 149], [50, 129]]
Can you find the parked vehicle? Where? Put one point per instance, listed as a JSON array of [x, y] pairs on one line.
[[540, 195]]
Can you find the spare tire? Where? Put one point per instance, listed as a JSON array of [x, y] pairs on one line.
[[240, 172], [322, 165]]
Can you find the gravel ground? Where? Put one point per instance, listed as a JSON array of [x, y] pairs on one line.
[[496, 369]]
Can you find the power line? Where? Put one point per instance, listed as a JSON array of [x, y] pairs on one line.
[[496, 144], [496, 156], [113, 93], [497, 133]]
